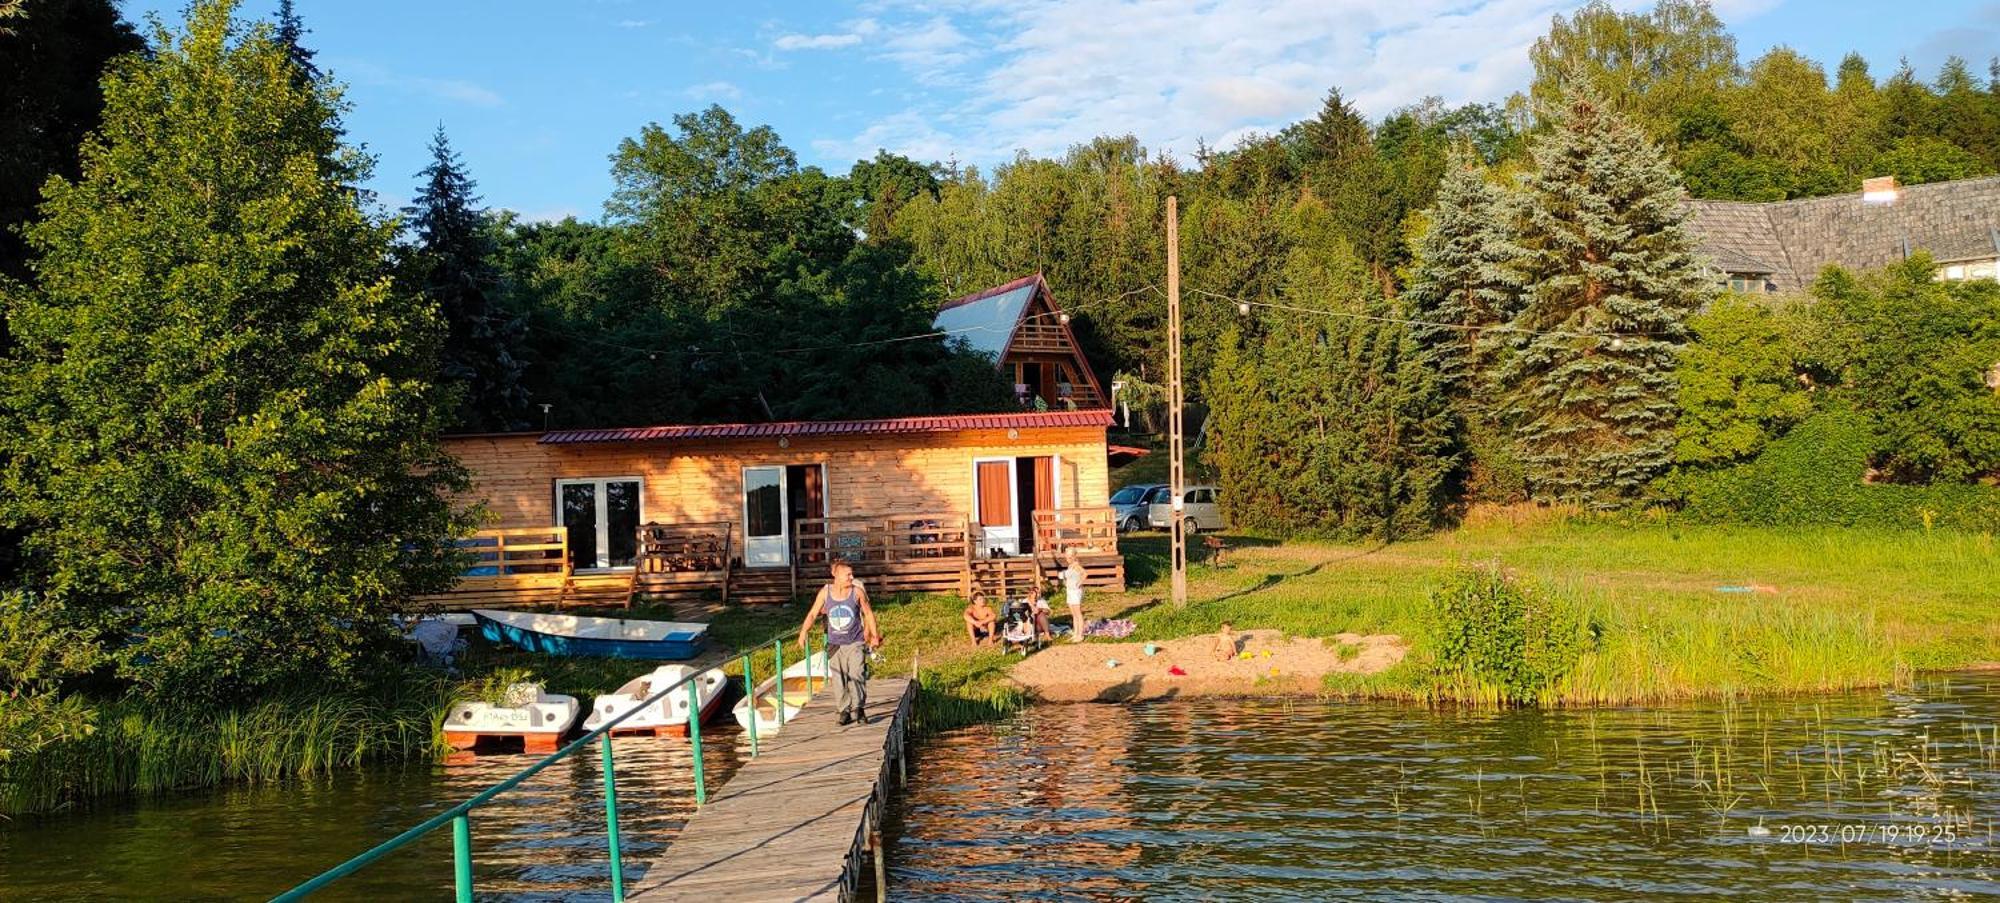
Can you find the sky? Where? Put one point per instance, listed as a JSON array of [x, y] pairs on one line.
[[536, 96]]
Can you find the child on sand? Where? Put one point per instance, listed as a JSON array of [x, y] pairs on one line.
[[1225, 642], [1072, 577]]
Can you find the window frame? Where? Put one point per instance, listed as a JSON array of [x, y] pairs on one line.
[[601, 502]]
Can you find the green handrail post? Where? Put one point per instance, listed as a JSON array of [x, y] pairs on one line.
[[461, 857], [827, 665], [750, 693], [778, 646], [611, 820], [694, 740], [809, 664]]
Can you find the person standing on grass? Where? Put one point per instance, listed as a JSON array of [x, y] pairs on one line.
[[1072, 577], [850, 633]]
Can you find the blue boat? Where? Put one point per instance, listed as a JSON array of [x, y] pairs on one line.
[[573, 635]]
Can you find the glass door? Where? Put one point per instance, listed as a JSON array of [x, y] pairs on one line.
[[766, 530], [602, 519]]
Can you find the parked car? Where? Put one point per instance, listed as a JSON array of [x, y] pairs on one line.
[[1129, 504], [1199, 503]]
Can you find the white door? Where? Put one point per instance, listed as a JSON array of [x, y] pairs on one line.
[[767, 539], [993, 506]]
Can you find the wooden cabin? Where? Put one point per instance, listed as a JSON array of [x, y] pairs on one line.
[[1020, 326], [759, 511]]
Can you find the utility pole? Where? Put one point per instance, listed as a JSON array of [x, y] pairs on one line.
[[1176, 479]]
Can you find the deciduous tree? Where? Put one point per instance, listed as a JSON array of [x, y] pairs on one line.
[[225, 439]]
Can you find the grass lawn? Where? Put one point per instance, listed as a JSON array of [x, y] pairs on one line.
[[1852, 608]]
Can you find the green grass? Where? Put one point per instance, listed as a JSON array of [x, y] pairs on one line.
[[1855, 607]]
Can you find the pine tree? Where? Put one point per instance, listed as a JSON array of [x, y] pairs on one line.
[[226, 430], [452, 265], [1609, 278]]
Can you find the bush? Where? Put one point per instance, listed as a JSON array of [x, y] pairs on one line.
[[1813, 477], [1504, 636]]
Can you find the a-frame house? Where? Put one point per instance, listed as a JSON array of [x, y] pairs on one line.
[[1021, 327]]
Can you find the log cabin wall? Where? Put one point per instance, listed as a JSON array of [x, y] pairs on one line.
[[693, 481]]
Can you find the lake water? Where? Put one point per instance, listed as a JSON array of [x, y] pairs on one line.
[[1879, 794], [1873, 795], [541, 841]]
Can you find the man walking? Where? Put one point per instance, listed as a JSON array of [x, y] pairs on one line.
[[850, 633]]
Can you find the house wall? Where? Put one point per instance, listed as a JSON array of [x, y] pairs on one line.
[[685, 482]]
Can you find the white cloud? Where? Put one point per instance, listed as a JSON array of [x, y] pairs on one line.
[[635, 23], [1042, 75], [714, 91], [452, 89], [851, 33], [550, 215], [816, 41]]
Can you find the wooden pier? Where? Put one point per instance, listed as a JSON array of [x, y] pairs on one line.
[[801, 820]]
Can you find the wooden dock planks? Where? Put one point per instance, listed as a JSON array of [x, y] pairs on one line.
[[799, 821]]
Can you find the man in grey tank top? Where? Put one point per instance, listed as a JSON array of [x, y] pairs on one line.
[[850, 633]]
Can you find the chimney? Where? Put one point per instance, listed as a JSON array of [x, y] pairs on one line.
[[1879, 190]]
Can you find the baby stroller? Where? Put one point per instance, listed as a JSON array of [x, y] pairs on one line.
[[1017, 628]]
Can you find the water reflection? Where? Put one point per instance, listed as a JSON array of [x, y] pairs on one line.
[[542, 841], [1863, 795]]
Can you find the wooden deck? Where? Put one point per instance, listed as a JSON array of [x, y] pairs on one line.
[[800, 821]]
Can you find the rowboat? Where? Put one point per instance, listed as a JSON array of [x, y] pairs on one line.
[[666, 716], [539, 719], [575, 635], [798, 690]]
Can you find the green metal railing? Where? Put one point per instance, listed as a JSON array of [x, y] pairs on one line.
[[459, 816]]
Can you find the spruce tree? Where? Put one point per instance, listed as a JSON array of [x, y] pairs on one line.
[[452, 265], [226, 441], [1460, 281], [291, 36], [1609, 278]]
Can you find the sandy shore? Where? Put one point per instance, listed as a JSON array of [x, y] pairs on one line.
[[1277, 664]]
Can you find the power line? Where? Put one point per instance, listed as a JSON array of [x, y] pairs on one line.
[[1408, 321], [915, 337]]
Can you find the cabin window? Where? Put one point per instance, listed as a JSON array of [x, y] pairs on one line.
[[1984, 270], [602, 517], [1750, 283]]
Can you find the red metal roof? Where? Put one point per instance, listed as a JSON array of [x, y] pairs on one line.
[[891, 425]]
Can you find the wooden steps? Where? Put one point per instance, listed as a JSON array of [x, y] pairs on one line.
[[761, 585]]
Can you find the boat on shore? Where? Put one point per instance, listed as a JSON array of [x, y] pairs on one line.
[[576, 635], [798, 690], [539, 719], [666, 716]]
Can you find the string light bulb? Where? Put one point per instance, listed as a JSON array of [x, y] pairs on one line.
[[1064, 318], [1243, 308]]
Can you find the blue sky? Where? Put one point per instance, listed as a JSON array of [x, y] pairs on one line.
[[537, 95]]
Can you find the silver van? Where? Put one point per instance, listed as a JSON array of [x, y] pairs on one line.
[[1199, 503]]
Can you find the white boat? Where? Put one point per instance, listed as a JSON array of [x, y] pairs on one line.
[[539, 719], [666, 715], [798, 691]]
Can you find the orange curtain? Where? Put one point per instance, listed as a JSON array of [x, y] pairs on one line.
[[1045, 484], [995, 501]]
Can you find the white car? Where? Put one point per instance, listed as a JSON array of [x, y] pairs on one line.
[[1199, 504]]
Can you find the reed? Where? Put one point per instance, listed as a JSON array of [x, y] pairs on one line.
[[305, 733]]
